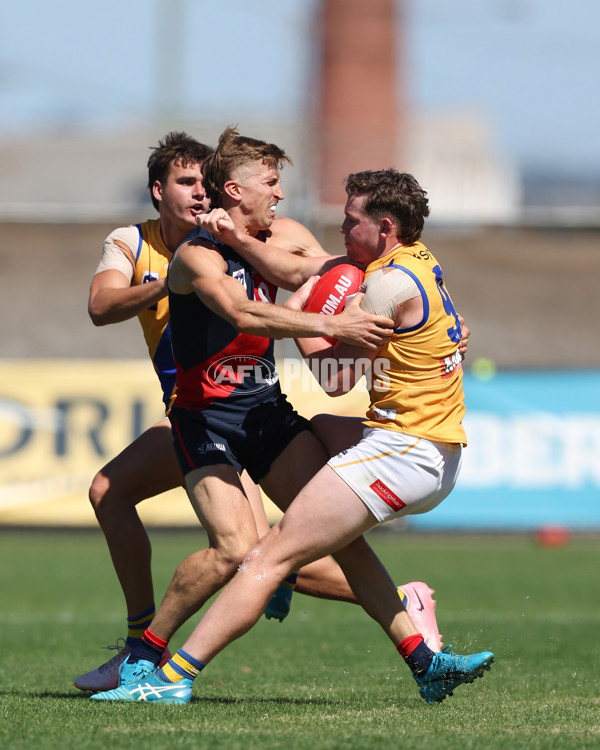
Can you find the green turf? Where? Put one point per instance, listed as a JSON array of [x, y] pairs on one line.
[[326, 677]]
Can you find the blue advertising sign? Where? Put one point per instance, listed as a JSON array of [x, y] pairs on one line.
[[533, 457]]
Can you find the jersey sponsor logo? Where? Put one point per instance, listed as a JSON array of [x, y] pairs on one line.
[[451, 364], [388, 497], [204, 448], [384, 415], [149, 276], [423, 254], [240, 275], [255, 373], [264, 291]]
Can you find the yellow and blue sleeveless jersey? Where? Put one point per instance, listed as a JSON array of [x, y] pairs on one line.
[[417, 376], [151, 262]]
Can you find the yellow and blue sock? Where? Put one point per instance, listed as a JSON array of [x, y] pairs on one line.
[[137, 624], [181, 665], [403, 597]]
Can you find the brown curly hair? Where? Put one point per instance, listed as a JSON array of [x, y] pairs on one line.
[[394, 194], [175, 148]]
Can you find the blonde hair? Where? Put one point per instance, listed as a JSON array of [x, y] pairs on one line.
[[233, 151]]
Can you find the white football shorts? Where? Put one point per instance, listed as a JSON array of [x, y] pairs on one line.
[[397, 475]]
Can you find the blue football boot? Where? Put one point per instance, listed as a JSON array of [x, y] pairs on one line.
[[149, 690], [448, 670], [281, 601]]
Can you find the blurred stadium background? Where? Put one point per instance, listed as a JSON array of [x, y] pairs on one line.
[[517, 236]]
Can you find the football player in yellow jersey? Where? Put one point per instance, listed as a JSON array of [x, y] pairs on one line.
[[130, 281], [386, 474]]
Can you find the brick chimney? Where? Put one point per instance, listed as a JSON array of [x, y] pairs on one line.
[[358, 124]]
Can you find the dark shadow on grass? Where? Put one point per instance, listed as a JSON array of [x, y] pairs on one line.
[[44, 694], [195, 700], [278, 701]]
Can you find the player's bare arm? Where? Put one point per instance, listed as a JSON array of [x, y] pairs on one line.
[[200, 268], [285, 269], [346, 363], [293, 237], [465, 334], [400, 299], [112, 298]]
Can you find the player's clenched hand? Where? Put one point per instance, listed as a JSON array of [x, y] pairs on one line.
[[358, 328], [219, 223], [464, 341]]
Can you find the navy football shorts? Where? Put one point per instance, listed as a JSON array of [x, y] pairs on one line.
[[251, 440]]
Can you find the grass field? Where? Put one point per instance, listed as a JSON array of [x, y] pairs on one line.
[[325, 678]]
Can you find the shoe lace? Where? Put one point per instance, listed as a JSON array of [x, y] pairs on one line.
[[118, 646]]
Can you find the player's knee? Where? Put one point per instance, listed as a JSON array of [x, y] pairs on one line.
[[267, 560], [319, 426], [230, 556], [99, 491], [318, 422]]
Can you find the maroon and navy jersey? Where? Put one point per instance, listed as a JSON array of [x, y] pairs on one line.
[[217, 366]]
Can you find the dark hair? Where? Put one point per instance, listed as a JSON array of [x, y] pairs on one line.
[[394, 194], [234, 150], [175, 148]]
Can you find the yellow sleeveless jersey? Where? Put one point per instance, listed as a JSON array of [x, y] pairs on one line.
[[151, 262], [417, 376]]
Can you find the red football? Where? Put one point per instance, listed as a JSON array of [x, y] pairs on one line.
[[328, 296]]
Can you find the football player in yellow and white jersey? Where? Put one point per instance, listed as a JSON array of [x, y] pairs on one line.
[[418, 386], [139, 253], [130, 281], [386, 473], [407, 452]]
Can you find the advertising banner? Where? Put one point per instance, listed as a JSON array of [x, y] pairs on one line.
[[62, 420], [532, 458]]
